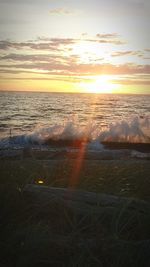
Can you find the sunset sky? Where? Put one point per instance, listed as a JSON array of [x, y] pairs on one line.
[[75, 45]]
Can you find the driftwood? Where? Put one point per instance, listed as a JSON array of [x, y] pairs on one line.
[[83, 201]]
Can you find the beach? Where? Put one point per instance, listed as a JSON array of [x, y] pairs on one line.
[[74, 189], [29, 227], [121, 172]]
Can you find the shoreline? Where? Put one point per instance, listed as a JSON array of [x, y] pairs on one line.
[[110, 151]]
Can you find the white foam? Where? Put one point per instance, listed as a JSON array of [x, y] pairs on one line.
[[136, 130], [94, 145]]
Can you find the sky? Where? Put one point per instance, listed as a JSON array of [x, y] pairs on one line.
[[93, 46]]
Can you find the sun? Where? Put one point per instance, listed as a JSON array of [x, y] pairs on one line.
[[101, 84]]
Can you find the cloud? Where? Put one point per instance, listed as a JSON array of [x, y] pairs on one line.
[[105, 38], [53, 78], [60, 11], [110, 69], [48, 44], [112, 38], [131, 82], [55, 44], [18, 57], [107, 35], [38, 57], [73, 68], [84, 34], [115, 42], [126, 53], [52, 56], [4, 45]]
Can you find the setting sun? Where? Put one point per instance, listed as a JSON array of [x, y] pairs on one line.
[[100, 84], [81, 48]]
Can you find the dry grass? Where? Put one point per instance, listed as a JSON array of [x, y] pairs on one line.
[[55, 235]]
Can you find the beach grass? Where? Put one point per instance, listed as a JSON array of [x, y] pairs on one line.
[[55, 235]]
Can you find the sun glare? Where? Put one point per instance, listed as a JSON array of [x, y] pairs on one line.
[[101, 84], [88, 51]]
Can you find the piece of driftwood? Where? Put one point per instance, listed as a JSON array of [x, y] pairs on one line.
[[82, 200]]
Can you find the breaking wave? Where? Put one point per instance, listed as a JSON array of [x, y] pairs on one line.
[[136, 130]]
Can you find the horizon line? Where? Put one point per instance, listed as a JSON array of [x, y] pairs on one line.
[[64, 92]]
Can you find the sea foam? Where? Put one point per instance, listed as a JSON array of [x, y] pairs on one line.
[[136, 130]]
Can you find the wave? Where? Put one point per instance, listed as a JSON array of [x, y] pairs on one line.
[[135, 131], [72, 133]]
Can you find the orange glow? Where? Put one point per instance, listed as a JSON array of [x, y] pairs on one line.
[[90, 84], [101, 84], [77, 166]]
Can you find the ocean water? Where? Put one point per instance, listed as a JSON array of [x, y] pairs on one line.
[[38, 117]]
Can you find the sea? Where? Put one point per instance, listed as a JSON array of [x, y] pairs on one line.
[[35, 118]]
